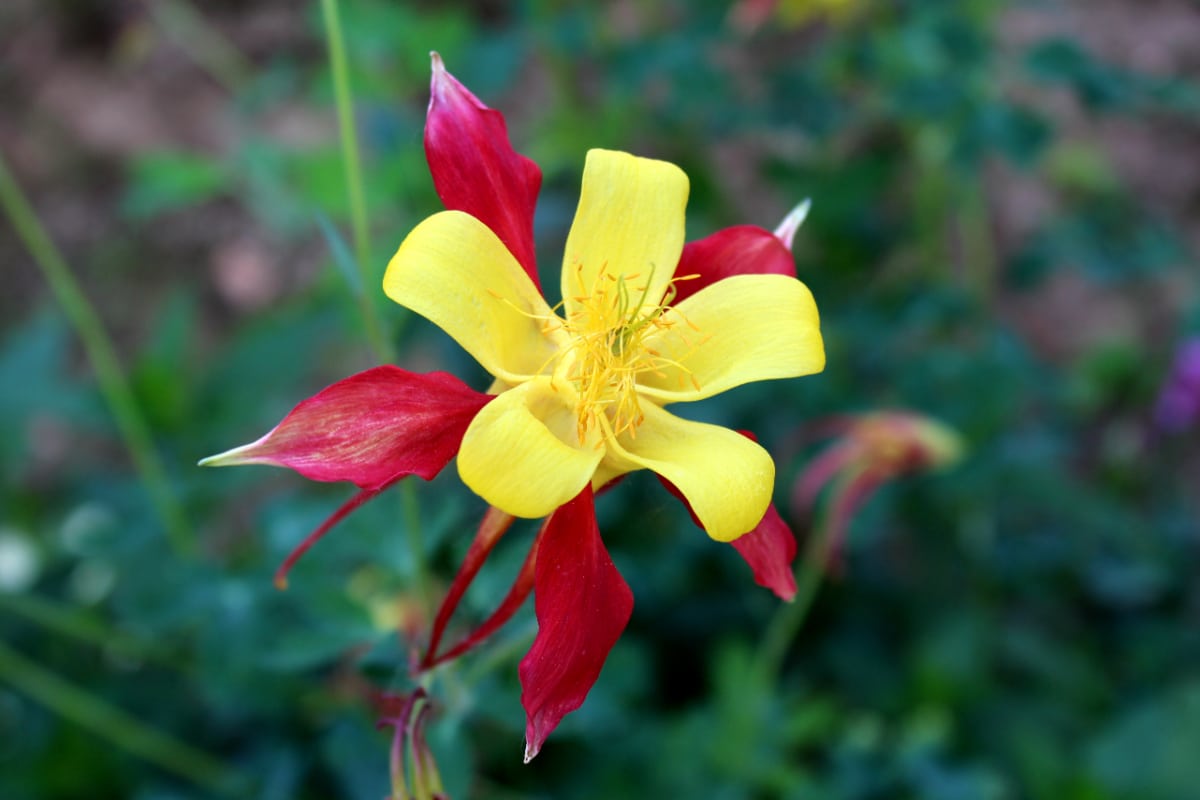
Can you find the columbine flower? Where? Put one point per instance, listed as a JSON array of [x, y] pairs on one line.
[[580, 389], [873, 449]]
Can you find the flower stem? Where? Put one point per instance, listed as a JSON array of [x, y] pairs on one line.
[[352, 166], [116, 725], [102, 356], [789, 619], [359, 219]]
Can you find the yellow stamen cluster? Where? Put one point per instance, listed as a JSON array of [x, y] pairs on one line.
[[608, 326]]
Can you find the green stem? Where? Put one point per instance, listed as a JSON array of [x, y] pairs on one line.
[[351, 162], [117, 726], [102, 356], [789, 619], [344, 100]]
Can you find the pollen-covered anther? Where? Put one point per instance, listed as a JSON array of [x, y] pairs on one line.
[[608, 327]]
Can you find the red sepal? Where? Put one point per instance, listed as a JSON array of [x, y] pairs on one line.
[[582, 606], [740, 250], [769, 549], [372, 429], [475, 168]]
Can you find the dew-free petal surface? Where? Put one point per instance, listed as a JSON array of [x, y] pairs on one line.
[[582, 605], [475, 168], [523, 456], [740, 250], [629, 223], [742, 329], [453, 271], [726, 478], [370, 429], [770, 548]]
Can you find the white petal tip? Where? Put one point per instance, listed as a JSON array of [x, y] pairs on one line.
[[530, 751], [229, 458], [786, 231]]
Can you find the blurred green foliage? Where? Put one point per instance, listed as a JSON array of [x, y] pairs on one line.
[[1024, 626]]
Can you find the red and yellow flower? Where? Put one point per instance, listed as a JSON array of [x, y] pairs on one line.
[[580, 390], [871, 450]]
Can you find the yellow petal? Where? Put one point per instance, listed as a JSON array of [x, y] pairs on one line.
[[522, 453], [726, 478], [454, 271], [741, 329], [629, 224]]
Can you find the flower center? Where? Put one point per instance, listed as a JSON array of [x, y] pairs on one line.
[[608, 325]]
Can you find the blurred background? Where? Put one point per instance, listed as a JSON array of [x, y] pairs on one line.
[[1003, 238]]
